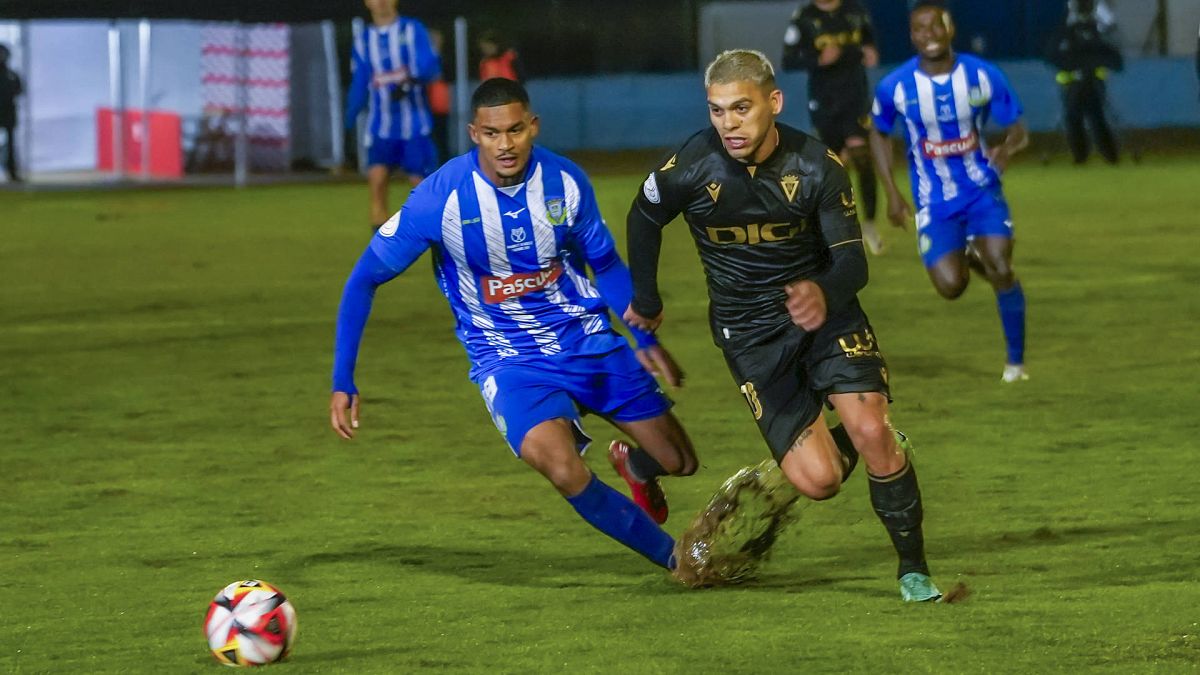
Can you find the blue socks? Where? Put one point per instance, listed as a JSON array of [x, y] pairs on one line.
[[617, 516], [1012, 316]]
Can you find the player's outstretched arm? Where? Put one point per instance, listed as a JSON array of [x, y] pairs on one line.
[[643, 241], [616, 288], [898, 210], [355, 309]]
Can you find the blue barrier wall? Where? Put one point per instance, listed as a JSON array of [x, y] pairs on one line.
[[624, 112]]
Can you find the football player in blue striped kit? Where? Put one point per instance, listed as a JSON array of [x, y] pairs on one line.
[[941, 101], [512, 227], [392, 61]]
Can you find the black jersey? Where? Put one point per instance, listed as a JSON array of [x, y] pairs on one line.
[[757, 227], [811, 30]]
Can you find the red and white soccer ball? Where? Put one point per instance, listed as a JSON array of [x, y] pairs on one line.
[[250, 623]]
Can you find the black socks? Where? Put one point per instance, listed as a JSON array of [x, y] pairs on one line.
[[897, 501]]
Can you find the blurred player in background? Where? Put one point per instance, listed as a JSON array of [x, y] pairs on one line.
[[941, 100], [512, 227], [439, 100], [497, 60], [392, 62], [10, 89], [772, 214], [1084, 58], [834, 41]]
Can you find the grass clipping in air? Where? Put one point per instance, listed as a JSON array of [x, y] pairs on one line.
[[733, 534]]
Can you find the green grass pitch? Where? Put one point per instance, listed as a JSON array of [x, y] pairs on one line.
[[164, 360]]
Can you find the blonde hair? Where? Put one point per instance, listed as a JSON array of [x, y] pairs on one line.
[[740, 65]]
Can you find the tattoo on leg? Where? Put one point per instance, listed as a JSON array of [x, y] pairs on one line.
[[862, 398], [804, 436]]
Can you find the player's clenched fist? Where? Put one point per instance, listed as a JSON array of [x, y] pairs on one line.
[[806, 304]]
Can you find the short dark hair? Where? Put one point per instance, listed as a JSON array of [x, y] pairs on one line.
[[928, 4], [498, 91]]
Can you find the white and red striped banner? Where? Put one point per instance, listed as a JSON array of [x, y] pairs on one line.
[[265, 74]]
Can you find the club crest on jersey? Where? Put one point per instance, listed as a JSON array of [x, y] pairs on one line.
[[555, 211], [790, 183], [517, 235], [714, 190]]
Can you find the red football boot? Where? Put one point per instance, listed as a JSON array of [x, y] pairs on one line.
[[646, 494]]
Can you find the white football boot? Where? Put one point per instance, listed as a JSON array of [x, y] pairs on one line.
[[1014, 373]]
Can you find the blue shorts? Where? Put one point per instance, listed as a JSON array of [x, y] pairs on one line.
[[946, 227], [614, 385], [416, 156]]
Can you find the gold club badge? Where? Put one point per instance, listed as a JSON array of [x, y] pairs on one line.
[[790, 183]]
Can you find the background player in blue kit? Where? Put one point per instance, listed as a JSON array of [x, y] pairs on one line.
[[392, 61], [511, 227], [942, 100]]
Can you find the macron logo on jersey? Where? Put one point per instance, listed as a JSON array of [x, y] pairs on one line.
[[499, 289], [951, 148]]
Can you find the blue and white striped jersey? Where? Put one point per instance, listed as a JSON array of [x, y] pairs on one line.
[[943, 118], [391, 66], [509, 260]]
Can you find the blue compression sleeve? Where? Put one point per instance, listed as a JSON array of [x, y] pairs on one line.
[[368, 274], [616, 288]]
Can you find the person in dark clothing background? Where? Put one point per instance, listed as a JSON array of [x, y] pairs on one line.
[[834, 41], [1084, 58], [10, 89]]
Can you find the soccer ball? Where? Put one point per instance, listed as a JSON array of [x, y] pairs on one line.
[[250, 623]]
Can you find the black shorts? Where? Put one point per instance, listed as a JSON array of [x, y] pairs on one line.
[[786, 379], [838, 119]]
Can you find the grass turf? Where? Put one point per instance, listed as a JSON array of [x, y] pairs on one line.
[[164, 360]]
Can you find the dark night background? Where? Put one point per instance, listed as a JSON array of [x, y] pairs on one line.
[[576, 37]]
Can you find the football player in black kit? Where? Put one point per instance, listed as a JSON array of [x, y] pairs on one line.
[[834, 41], [773, 217]]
